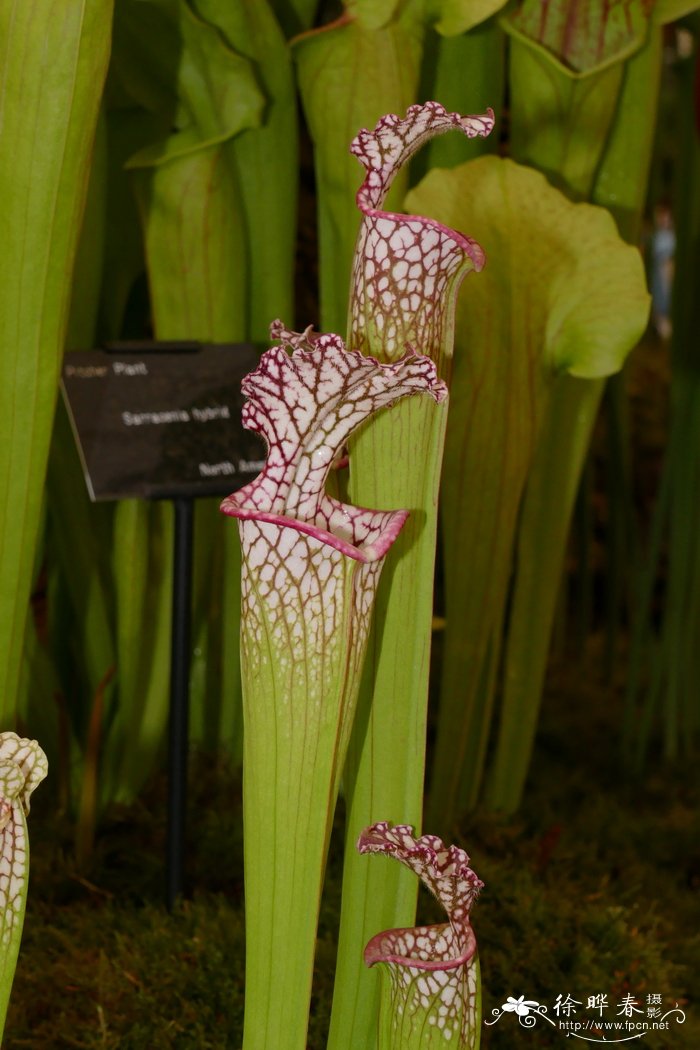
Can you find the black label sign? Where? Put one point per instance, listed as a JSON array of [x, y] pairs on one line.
[[153, 423]]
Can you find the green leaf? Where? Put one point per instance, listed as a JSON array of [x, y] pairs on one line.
[[372, 14], [87, 273], [83, 566], [208, 90], [543, 530], [582, 35], [559, 119], [265, 161], [560, 293], [195, 247], [49, 107], [459, 16], [623, 174]]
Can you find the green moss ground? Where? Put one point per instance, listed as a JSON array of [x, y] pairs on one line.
[[592, 888]]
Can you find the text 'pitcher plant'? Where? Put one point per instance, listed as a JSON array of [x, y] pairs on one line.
[[310, 569], [431, 994], [23, 766]]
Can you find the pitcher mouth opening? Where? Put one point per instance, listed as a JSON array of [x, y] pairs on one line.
[[378, 950], [385, 527]]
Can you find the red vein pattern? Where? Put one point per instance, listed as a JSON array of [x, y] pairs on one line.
[[294, 536], [407, 267], [433, 969], [23, 765], [306, 404]]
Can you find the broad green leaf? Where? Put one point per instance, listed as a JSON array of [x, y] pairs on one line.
[[561, 293], [372, 14], [265, 161], [310, 568], [87, 272], [458, 16], [559, 120], [195, 247], [348, 77], [566, 70], [623, 174], [209, 90], [545, 515], [84, 647], [582, 35], [84, 566], [49, 111]]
